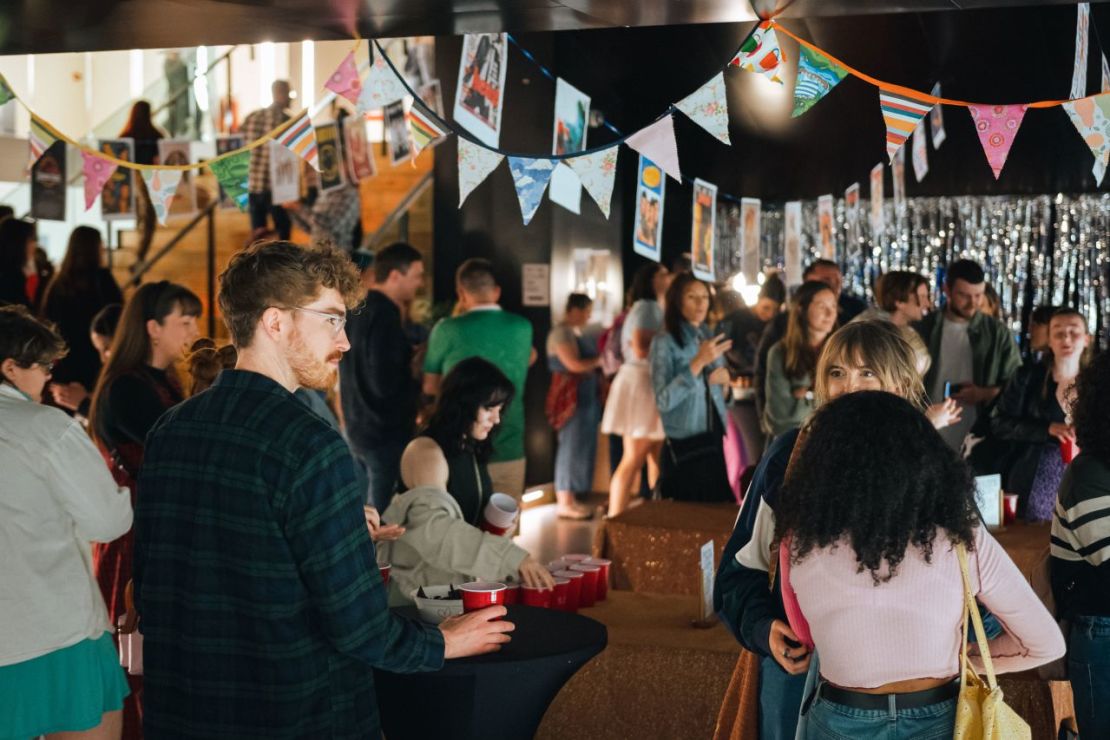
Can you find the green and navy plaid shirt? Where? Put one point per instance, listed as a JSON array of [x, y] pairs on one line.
[[262, 608]]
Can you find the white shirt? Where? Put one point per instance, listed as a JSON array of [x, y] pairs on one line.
[[56, 496], [954, 365]]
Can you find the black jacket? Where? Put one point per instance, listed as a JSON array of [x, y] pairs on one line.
[[1021, 416], [72, 310]]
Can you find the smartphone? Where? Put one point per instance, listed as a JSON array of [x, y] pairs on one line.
[[950, 388]]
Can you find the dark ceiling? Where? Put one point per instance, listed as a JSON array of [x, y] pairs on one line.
[[44, 26]]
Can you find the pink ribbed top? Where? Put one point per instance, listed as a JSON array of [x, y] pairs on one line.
[[910, 626]]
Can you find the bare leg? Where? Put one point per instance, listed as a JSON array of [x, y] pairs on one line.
[[653, 453], [111, 724], [620, 487], [568, 507]]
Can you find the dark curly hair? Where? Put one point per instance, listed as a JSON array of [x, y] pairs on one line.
[[1091, 409], [472, 384], [873, 473]]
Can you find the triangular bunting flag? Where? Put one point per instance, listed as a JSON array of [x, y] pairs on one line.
[[344, 80], [1105, 75], [300, 138], [657, 143], [530, 177], [161, 185], [475, 165], [817, 75], [425, 131], [39, 140], [1091, 116], [708, 107], [381, 88], [901, 115], [761, 53], [97, 171], [597, 172], [6, 93], [997, 125], [1099, 170], [232, 173]]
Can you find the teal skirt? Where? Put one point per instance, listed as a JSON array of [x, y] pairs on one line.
[[66, 690]]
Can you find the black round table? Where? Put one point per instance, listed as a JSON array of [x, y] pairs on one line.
[[500, 695]]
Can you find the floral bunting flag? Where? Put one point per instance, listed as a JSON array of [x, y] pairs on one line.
[[761, 53], [901, 115], [1091, 116], [997, 125], [232, 173], [381, 88], [597, 172], [6, 93], [39, 140], [344, 80], [530, 177], [817, 75], [708, 107], [97, 170], [657, 143], [161, 185], [425, 131], [475, 165], [300, 138]]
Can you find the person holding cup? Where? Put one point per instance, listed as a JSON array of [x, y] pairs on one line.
[[457, 529]]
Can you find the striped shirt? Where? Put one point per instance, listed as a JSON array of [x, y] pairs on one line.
[[262, 608], [1081, 539], [259, 123]]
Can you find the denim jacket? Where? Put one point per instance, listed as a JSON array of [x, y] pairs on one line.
[[679, 395]]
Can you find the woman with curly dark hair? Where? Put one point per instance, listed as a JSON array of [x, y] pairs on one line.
[[869, 545], [1080, 563]]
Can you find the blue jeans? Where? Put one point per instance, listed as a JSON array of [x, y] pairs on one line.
[[780, 698], [826, 720], [1089, 671], [383, 465]]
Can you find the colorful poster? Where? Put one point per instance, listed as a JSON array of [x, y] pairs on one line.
[[936, 119], [750, 256], [48, 184], [703, 230], [572, 115], [479, 95], [898, 177], [226, 143], [792, 241], [356, 150], [330, 158], [397, 132], [826, 232], [852, 214], [1079, 68], [179, 151], [877, 223], [117, 199], [729, 252], [285, 174], [432, 96], [647, 235], [920, 153]]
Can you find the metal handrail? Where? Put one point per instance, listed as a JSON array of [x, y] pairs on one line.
[[399, 212], [145, 266]]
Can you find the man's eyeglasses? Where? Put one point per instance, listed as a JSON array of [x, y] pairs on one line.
[[335, 321]]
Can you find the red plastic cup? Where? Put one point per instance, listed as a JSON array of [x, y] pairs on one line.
[[560, 593], [1068, 451], [602, 578], [478, 595], [574, 588], [500, 514], [1009, 508], [384, 570], [512, 594], [557, 565], [575, 558], [531, 596], [591, 575]]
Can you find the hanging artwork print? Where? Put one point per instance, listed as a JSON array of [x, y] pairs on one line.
[[285, 174], [397, 133], [647, 239], [792, 242], [330, 158], [48, 184], [432, 96], [851, 214], [572, 113], [480, 93], [703, 230], [117, 199], [898, 178], [175, 152], [877, 223], [356, 150], [936, 119], [750, 262], [825, 227], [920, 153]]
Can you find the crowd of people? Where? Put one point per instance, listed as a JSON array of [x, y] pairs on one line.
[[237, 500]]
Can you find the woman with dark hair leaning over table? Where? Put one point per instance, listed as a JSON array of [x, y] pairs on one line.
[[1080, 562]]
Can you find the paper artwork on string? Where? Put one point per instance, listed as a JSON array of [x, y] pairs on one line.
[[480, 93], [936, 119], [852, 215], [920, 153], [1079, 67], [792, 241], [708, 107], [898, 182], [997, 126], [647, 235], [760, 53], [729, 251], [901, 115], [657, 143], [48, 184], [703, 231], [431, 95], [878, 223], [117, 198], [96, 171], [382, 86], [817, 75], [750, 233], [1091, 117], [572, 115], [344, 81], [330, 157], [419, 64], [177, 152], [228, 143], [161, 186], [357, 155], [597, 172], [826, 227], [397, 133], [285, 174], [475, 163], [530, 178], [233, 173]]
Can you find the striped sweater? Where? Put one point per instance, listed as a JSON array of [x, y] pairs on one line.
[[1081, 540]]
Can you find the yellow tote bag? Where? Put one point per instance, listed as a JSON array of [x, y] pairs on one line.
[[981, 713]]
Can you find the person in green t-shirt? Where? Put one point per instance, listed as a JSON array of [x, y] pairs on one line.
[[503, 338]]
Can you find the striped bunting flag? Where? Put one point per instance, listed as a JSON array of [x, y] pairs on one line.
[[300, 138], [901, 115], [39, 140], [425, 131]]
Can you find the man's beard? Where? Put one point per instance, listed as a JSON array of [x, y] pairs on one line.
[[965, 315], [309, 371]]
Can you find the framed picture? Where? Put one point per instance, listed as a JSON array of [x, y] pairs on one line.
[[647, 229], [480, 92], [117, 199], [703, 230]]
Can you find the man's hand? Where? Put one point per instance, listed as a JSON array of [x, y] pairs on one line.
[[68, 395], [475, 633], [794, 660]]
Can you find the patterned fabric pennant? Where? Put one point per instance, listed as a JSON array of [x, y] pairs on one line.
[[657, 143], [475, 165], [1091, 116], [761, 54], [233, 173], [300, 138], [381, 88], [530, 177], [161, 185], [597, 172], [708, 107], [97, 171], [817, 75], [39, 140], [344, 80], [1105, 75], [6, 93], [997, 126], [902, 115], [425, 131]]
